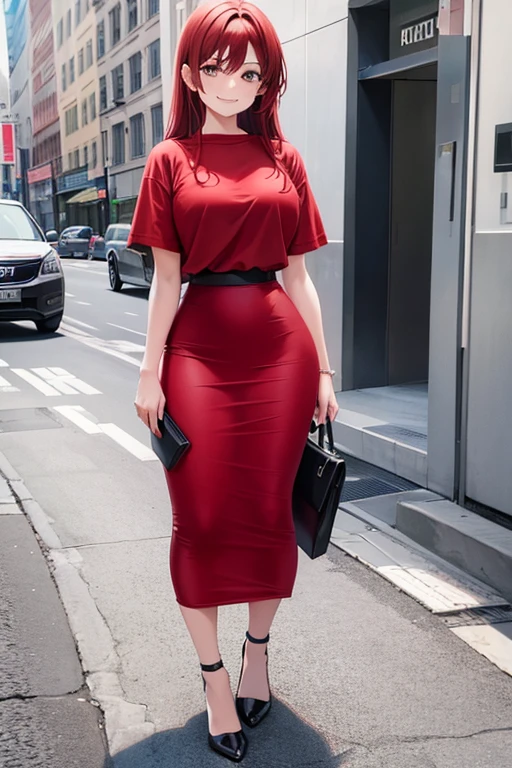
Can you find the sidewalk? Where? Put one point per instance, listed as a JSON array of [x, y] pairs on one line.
[[362, 675], [46, 716]]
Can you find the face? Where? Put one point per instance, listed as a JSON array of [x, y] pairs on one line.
[[228, 94]]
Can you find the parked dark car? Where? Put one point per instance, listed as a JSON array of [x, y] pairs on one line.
[[31, 277], [125, 265], [76, 242]]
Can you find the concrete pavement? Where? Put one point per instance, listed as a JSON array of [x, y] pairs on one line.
[[46, 715], [363, 676]]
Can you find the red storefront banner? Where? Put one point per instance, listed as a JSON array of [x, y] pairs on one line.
[[7, 144], [41, 173]]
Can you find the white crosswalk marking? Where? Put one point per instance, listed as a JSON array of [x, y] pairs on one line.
[[76, 414], [36, 382], [123, 328], [65, 382], [5, 386], [80, 322], [3, 364]]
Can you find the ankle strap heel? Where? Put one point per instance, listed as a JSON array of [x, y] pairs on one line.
[[256, 640], [212, 667]]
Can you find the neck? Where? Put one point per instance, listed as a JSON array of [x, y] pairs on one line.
[[215, 123]]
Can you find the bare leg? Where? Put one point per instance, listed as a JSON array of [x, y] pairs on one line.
[[254, 677], [202, 626]]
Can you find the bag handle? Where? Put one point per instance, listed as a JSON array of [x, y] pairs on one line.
[[322, 428]]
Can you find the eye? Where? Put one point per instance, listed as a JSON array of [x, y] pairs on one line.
[[210, 70], [252, 77]]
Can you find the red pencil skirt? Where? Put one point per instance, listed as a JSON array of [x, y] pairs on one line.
[[240, 377]]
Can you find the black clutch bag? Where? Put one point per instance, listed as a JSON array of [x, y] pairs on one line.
[[317, 492], [172, 445]]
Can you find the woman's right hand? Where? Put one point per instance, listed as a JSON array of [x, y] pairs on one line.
[[150, 400]]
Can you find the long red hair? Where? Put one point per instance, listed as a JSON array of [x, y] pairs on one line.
[[211, 29]]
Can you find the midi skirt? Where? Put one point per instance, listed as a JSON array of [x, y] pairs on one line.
[[240, 378]]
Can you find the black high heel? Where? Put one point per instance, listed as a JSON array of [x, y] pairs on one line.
[[230, 745], [252, 711]]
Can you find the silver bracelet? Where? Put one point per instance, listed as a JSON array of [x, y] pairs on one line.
[[327, 372]]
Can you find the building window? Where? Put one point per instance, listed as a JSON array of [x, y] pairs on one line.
[[100, 40], [137, 135], [76, 158], [115, 24], [157, 123], [60, 33], [87, 5], [64, 80], [135, 72], [71, 119], [153, 7], [85, 119], [80, 61], [92, 106], [132, 14], [78, 16], [118, 144], [104, 148], [118, 83], [86, 155], [94, 154], [70, 161], [103, 93], [72, 69], [68, 24], [154, 59], [88, 54]]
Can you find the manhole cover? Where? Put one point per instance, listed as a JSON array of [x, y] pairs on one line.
[[402, 434], [24, 419]]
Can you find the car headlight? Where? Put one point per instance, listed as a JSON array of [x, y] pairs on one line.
[[51, 264]]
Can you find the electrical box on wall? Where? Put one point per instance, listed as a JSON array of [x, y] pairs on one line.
[[503, 165], [503, 148]]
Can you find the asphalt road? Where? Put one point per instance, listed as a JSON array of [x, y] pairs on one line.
[[362, 675]]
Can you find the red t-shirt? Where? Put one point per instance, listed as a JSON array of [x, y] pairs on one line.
[[244, 215]]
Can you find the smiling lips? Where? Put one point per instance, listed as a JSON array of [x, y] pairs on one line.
[[228, 101]]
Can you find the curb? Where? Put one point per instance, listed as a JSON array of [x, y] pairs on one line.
[[125, 723]]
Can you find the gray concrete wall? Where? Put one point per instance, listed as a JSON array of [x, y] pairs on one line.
[[313, 115], [489, 428]]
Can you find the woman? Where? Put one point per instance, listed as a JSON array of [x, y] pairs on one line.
[[242, 363]]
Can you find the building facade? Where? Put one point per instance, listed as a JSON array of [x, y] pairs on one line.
[[130, 95], [17, 17], [46, 149], [81, 185]]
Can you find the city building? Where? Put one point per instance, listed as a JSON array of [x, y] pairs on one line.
[[46, 149], [17, 18], [80, 189], [130, 95]]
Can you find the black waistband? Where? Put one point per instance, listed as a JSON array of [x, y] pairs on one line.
[[235, 277]]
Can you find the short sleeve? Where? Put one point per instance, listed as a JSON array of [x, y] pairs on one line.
[[310, 233], [153, 220]]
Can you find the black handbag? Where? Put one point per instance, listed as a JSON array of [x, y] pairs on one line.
[[317, 491], [172, 445]]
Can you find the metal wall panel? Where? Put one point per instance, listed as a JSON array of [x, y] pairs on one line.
[[489, 445], [447, 265]]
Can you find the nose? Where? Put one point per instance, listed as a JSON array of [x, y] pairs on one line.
[[231, 83]]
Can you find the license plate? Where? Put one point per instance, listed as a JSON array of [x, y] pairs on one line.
[[12, 294]]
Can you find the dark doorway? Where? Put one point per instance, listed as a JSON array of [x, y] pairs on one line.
[[411, 216]]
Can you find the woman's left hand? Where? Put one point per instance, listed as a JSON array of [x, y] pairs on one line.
[[327, 405]]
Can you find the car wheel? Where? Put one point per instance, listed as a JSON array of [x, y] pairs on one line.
[[50, 325], [113, 275]]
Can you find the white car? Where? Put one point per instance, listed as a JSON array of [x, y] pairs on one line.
[[31, 276]]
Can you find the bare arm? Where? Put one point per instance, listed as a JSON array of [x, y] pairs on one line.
[[301, 290], [164, 298]]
